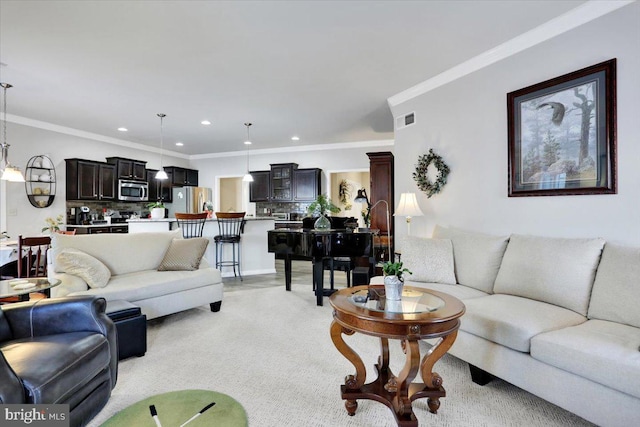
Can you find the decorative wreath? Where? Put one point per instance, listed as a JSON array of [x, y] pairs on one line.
[[421, 176]]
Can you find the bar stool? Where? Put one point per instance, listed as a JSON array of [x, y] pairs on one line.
[[191, 224], [230, 226]]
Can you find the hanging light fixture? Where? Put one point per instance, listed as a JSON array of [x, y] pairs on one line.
[[247, 177], [9, 173], [161, 174]]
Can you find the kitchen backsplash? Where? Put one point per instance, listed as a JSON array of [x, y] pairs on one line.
[[97, 208], [296, 210]]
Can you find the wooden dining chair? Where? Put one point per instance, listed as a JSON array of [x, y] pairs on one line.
[[191, 224], [32, 256], [67, 232]]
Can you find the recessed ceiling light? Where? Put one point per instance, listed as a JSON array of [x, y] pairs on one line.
[[205, 122], [295, 138], [179, 144], [123, 129], [247, 143]]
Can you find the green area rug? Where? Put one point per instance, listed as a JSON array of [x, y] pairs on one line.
[[176, 407]]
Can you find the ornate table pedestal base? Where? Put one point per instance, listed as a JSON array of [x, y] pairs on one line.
[[397, 392]]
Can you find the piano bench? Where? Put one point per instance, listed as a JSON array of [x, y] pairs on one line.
[[360, 276]]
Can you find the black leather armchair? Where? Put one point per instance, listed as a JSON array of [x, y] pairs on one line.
[[60, 350]]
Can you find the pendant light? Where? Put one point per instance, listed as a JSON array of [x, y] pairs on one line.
[[9, 173], [161, 174], [247, 177]]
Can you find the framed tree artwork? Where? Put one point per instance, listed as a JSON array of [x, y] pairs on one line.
[[562, 134]]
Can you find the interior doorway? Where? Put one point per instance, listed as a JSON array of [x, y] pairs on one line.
[[231, 195], [344, 187]]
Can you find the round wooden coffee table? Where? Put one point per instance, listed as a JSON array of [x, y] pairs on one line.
[[421, 314]]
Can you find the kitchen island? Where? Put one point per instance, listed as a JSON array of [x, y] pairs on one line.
[[255, 259]]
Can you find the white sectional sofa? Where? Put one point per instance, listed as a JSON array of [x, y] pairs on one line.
[[127, 268], [559, 318]]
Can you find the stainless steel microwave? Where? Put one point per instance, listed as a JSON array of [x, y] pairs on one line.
[[133, 191]]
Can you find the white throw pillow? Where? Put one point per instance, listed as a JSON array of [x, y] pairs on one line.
[[81, 264], [430, 260]]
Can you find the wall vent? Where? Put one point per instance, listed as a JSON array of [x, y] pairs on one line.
[[406, 120]]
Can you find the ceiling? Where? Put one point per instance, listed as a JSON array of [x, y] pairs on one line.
[[321, 70]]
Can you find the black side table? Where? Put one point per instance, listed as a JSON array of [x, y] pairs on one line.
[[131, 325]]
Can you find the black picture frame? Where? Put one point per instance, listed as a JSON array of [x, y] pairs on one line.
[[562, 134]]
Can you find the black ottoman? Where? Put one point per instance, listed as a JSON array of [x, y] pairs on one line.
[[131, 325]]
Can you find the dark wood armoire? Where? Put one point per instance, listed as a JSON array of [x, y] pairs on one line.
[[382, 188]]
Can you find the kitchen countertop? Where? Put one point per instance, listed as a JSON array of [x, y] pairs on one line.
[[248, 218], [113, 224]]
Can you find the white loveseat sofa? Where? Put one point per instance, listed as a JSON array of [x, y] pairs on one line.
[[559, 318], [132, 261]]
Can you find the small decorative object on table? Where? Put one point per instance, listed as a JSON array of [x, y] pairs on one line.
[[322, 206], [393, 281]]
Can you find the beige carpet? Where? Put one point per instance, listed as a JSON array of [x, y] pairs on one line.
[[271, 350]]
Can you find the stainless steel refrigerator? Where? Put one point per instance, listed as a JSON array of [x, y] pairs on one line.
[[189, 200]]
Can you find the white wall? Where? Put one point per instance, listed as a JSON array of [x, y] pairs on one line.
[[466, 123], [356, 180], [26, 141]]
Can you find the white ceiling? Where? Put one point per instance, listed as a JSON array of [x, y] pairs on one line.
[[322, 70]]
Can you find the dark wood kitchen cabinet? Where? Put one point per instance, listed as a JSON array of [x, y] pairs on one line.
[[306, 184], [89, 180], [129, 168], [260, 188], [282, 181], [182, 177], [159, 189]]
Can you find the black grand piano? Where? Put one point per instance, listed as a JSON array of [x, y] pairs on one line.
[[319, 245]]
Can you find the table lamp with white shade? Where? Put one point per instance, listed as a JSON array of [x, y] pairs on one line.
[[408, 207]]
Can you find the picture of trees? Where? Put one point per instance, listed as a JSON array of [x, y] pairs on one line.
[[558, 137]]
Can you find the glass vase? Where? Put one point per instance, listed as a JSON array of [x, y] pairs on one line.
[[322, 223]]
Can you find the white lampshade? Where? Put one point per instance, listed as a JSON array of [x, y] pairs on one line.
[[161, 174], [408, 206], [12, 174], [247, 178]]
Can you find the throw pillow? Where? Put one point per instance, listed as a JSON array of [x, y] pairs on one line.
[[184, 254], [430, 260], [81, 264]]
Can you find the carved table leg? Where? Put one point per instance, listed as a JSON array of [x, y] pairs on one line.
[[401, 401], [432, 379], [351, 382]]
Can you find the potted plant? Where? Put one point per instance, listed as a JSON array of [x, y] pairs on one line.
[[393, 280], [157, 209], [322, 206]]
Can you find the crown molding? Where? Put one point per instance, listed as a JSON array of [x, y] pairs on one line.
[[582, 14], [299, 148], [88, 135]]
